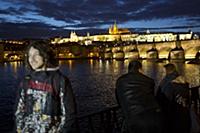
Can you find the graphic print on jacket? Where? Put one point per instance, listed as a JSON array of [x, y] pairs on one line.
[[38, 109]]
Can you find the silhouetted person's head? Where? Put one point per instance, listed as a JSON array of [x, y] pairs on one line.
[[170, 68], [134, 66]]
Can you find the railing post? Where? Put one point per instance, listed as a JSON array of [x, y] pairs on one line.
[[195, 99], [104, 121], [91, 124], [115, 120], [108, 121]]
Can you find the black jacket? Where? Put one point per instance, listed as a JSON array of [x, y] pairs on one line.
[[46, 104], [135, 94]]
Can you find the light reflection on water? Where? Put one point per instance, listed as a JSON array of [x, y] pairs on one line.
[[93, 81]]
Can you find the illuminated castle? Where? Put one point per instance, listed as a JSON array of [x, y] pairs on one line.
[[123, 34], [114, 30]]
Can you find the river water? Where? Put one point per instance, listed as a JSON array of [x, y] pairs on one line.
[[93, 81]]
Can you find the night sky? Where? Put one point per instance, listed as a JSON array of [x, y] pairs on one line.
[[49, 18]]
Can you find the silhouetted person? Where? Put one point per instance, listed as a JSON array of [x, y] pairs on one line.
[[173, 97], [135, 95], [46, 100]]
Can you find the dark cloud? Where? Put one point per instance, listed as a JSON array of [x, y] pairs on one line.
[[93, 13], [174, 8], [38, 30], [29, 30], [4, 12]]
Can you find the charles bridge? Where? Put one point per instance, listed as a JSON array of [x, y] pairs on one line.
[[187, 49]]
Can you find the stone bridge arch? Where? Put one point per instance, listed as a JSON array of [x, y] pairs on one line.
[[190, 48], [175, 49]]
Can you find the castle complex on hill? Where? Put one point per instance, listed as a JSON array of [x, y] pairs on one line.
[[123, 34]]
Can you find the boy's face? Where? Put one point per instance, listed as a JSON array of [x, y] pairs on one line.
[[35, 60]]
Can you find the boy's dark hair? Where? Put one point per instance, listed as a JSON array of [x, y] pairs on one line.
[[134, 66], [45, 51], [170, 67]]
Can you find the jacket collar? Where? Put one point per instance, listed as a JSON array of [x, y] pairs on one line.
[[47, 69]]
